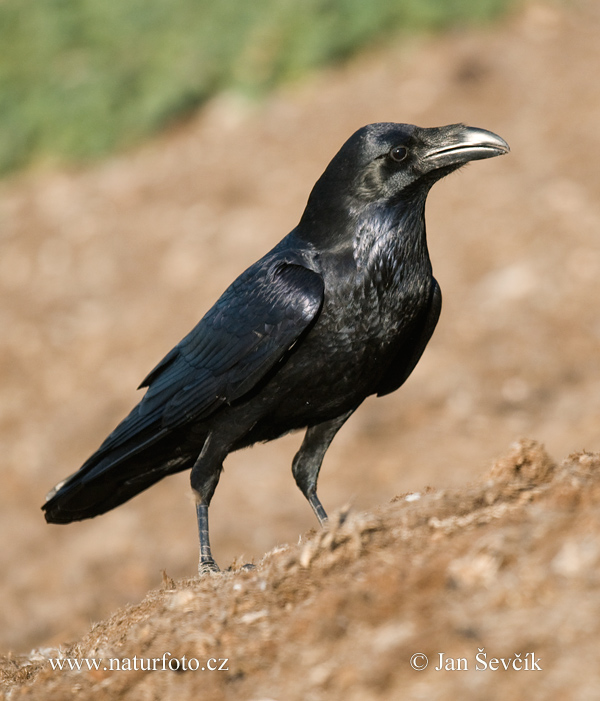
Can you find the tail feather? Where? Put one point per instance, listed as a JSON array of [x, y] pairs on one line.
[[112, 476]]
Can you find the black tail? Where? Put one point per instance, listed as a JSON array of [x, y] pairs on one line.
[[123, 466]]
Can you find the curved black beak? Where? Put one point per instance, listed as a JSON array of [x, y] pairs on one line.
[[457, 144]]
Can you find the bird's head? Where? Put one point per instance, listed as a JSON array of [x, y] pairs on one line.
[[390, 163]]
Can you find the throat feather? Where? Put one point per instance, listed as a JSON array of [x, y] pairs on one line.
[[391, 252]]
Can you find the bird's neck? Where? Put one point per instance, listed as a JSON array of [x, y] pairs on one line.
[[390, 243], [386, 241]]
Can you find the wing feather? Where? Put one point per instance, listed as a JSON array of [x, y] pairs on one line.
[[251, 327]]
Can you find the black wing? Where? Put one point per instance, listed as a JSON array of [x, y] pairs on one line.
[[414, 345], [256, 321], [248, 331]]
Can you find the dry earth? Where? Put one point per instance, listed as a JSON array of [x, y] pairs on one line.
[[103, 270], [504, 572]]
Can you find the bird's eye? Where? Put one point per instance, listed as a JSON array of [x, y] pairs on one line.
[[398, 153]]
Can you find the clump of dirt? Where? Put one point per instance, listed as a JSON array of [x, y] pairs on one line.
[[485, 573]]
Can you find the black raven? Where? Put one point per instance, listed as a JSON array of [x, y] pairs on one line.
[[340, 309]]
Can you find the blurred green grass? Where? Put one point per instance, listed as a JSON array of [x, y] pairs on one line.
[[80, 78]]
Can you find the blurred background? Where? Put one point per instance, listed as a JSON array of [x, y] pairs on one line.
[[151, 151]]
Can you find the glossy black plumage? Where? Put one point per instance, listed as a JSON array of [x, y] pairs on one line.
[[340, 309]]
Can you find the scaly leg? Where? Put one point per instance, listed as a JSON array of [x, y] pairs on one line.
[[204, 478], [307, 461]]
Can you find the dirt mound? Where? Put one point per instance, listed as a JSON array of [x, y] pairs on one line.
[[486, 575], [103, 270]]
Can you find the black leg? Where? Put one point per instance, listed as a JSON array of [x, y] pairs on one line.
[[204, 478], [307, 461], [206, 562]]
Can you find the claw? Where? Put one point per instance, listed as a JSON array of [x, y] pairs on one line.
[[207, 566]]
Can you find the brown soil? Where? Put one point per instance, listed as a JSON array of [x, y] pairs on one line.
[[103, 270]]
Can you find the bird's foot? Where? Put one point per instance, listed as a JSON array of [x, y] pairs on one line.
[[242, 568], [207, 566]]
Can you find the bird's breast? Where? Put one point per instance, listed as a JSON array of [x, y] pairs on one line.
[[375, 303]]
